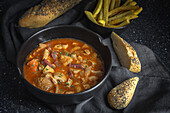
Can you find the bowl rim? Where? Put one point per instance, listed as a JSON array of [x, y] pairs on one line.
[[55, 94]]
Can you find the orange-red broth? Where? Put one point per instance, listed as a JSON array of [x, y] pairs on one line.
[[69, 78]]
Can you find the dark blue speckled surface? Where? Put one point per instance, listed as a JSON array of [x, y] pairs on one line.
[[152, 29]]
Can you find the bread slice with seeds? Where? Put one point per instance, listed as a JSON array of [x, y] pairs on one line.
[[120, 96], [126, 54]]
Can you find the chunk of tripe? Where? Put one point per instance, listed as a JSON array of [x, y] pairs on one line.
[[75, 71], [41, 47], [126, 54], [85, 46], [46, 54], [48, 69], [74, 49], [74, 56], [65, 60], [69, 92], [59, 46], [58, 90], [93, 78], [65, 46], [80, 58], [60, 76], [87, 51], [98, 73], [86, 86], [78, 88], [69, 82], [87, 72], [49, 75]]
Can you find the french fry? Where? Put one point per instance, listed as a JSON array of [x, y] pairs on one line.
[[136, 12], [112, 5], [120, 15], [98, 8], [119, 20], [105, 11], [122, 8], [117, 3], [127, 2], [90, 16]]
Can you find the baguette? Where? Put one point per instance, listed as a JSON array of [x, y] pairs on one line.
[[45, 12], [120, 96], [126, 54]]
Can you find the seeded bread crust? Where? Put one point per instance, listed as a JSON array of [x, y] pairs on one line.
[[126, 54], [120, 96], [45, 12]]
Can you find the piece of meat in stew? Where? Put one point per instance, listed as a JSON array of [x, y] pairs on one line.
[[64, 66]]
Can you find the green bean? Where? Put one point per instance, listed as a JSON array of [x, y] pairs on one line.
[[122, 8], [136, 12], [127, 2], [119, 20], [98, 8], [124, 23], [100, 17], [112, 5], [105, 11], [133, 3], [90, 16], [120, 15], [109, 2], [117, 3]]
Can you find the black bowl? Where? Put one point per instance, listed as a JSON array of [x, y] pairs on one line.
[[103, 31], [85, 35]]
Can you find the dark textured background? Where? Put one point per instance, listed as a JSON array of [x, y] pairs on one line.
[[152, 29]]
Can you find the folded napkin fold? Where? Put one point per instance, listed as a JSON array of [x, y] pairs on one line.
[[152, 92]]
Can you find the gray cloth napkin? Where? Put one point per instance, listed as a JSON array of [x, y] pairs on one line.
[[152, 94]]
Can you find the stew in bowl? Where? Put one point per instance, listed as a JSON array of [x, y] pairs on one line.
[[64, 66]]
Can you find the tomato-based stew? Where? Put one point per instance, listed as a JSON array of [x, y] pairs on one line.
[[64, 66]]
